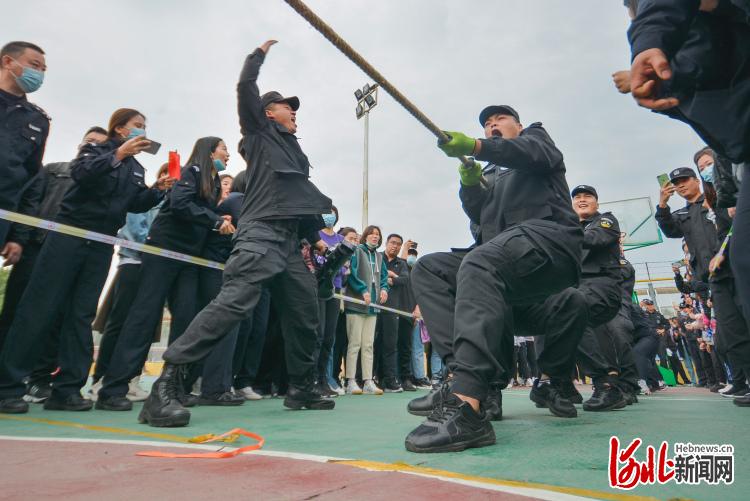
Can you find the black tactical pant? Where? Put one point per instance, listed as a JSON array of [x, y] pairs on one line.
[[620, 331], [19, 277], [596, 353], [69, 275], [740, 243], [266, 253], [473, 303], [733, 332], [250, 341]]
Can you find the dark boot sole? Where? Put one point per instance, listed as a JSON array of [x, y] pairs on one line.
[[15, 411], [483, 441], [297, 405], [165, 422], [66, 408], [216, 403], [543, 404], [612, 407], [104, 407]]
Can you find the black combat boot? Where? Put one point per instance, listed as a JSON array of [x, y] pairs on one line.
[[546, 393], [493, 406], [162, 408], [306, 398], [453, 427]]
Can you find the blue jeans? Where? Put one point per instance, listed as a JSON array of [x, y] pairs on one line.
[[417, 354], [436, 364]]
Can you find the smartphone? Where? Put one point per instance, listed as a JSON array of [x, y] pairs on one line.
[[153, 148], [414, 245], [663, 179]]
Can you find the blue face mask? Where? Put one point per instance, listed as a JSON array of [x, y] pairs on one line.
[[411, 260], [219, 165], [30, 80], [708, 173], [135, 132], [329, 220]]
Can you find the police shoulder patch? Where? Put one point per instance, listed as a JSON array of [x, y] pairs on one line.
[[606, 222]]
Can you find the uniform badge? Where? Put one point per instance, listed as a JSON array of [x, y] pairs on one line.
[[606, 223], [34, 128]]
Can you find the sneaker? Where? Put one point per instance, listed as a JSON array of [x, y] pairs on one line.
[[94, 391], [249, 394], [74, 402], [221, 399], [663, 385], [606, 397], [390, 386], [645, 390], [37, 393], [135, 392], [741, 393], [713, 389], [370, 388], [547, 394], [529, 382], [352, 388], [454, 427], [726, 389], [743, 401], [493, 406], [298, 398], [14, 406], [324, 390], [407, 385], [424, 405], [568, 390], [114, 404], [423, 384]]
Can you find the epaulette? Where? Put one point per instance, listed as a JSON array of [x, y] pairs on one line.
[[40, 110]]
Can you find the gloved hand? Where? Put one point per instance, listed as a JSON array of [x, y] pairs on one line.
[[459, 145], [470, 176]]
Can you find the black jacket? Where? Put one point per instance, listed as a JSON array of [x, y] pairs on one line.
[[23, 136], [52, 184], [278, 181], [218, 247], [699, 233], [725, 182], [186, 218], [710, 58], [628, 280], [526, 178], [601, 246], [105, 190], [655, 319], [398, 294]]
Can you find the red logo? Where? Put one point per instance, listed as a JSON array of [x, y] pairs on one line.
[[625, 472]]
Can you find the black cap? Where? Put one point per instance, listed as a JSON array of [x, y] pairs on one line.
[[681, 172], [584, 188], [647, 301], [503, 109], [275, 97]]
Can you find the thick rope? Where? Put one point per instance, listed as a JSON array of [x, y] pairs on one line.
[[325, 30]]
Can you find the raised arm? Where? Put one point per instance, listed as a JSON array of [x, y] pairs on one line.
[[249, 108]]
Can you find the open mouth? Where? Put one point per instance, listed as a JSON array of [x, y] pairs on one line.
[[496, 133]]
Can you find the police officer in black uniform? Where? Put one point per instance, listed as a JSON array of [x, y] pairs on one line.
[[24, 131], [70, 272], [518, 279], [281, 206], [600, 283]]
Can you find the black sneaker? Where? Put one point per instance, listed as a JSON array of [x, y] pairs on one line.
[[37, 393], [324, 390], [390, 385], [221, 399], [297, 399], [74, 402], [567, 390], [113, 404], [736, 391], [606, 397], [743, 401], [493, 406], [715, 388], [424, 405], [453, 427], [13, 406], [423, 384], [547, 394], [407, 385]]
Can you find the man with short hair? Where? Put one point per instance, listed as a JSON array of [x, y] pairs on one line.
[[517, 280], [282, 206], [23, 135]]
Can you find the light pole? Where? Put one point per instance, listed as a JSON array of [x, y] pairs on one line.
[[367, 98]]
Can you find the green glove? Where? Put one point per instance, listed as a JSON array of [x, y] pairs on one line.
[[459, 145], [470, 176]]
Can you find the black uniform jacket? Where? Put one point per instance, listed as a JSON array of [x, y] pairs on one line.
[[23, 134], [692, 224], [601, 246], [399, 294], [105, 190], [526, 178], [186, 218], [218, 247], [278, 181]]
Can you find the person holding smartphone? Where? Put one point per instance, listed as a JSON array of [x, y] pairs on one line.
[[71, 271], [183, 225]]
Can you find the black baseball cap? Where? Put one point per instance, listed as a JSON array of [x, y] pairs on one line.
[[681, 172], [647, 301], [494, 109], [275, 97], [584, 188]]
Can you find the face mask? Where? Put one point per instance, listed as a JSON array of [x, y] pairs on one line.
[[30, 80], [135, 132], [219, 165], [708, 173], [411, 260], [329, 220], [371, 246]]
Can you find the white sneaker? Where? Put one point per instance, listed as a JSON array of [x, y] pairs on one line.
[[529, 382], [339, 390], [250, 394], [644, 387], [726, 389], [135, 392], [352, 388], [370, 388], [94, 391]]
